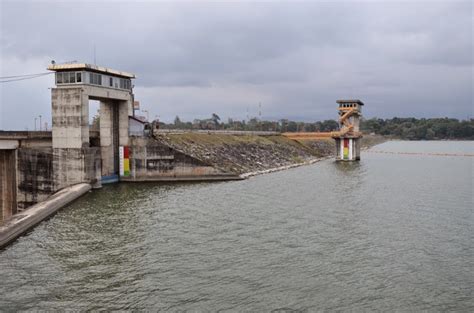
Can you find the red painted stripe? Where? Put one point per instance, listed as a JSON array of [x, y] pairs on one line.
[[346, 143], [125, 152]]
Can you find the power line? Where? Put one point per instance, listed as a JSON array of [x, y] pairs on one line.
[[16, 76], [20, 77]]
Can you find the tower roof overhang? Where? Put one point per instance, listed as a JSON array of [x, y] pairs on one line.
[[350, 101], [88, 67]]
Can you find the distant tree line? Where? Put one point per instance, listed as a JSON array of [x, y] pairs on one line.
[[253, 124], [420, 129], [403, 128]]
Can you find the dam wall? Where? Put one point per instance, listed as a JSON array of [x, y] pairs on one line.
[[38, 171], [242, 153], [29, 173], [85, 166], [152, 160], [35, 176]]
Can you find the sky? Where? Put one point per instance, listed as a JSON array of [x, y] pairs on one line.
[[292, 59]]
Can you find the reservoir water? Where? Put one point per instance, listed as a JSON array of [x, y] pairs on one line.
[[392, 232]]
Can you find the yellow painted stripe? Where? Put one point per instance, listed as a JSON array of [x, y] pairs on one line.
[[126, 165]]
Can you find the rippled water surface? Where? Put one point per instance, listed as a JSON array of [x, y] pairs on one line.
[[393, 232]]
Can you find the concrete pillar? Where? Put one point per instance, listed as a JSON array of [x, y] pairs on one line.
[[357, 148], [124, 112], [8, 194], [106, 137], [70, 115]]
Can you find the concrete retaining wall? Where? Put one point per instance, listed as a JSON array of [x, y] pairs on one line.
[[38, 171], [20, 223], [151, 160]]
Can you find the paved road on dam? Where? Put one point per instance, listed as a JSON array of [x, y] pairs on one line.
[[393, 232]]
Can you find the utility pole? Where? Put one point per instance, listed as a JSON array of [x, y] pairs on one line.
[[40, 122], [35, 122]]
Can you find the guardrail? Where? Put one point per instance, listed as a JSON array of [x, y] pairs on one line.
[[220, 132]]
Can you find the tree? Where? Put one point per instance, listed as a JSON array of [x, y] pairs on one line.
[[215, 119], [177, 121]]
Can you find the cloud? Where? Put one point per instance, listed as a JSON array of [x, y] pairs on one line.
[[296, 58]]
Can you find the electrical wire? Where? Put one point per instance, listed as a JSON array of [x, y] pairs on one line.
[[7, 79], [4, 77]]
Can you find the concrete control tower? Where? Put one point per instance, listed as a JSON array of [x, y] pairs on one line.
[[348, 137], [77, 158]]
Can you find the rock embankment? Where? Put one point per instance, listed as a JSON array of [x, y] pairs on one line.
[[243, 154]]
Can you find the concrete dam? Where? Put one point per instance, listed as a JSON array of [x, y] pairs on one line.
[[37, 167]]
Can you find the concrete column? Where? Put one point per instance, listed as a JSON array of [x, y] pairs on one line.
[[357, 148], [8, 204], [124, 111], [70, 115], [342, 148], [106, 137]]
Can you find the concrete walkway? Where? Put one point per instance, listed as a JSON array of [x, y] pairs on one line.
[[22, 222]]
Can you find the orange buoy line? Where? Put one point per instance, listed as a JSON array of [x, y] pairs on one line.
[[423, 153]]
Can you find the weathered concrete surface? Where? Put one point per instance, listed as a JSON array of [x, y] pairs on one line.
[[35, 176], [70, 115], [25, 139], [240, 154], [8, 205], [74, 166], [151, 160], [20, 223], [9, 144]]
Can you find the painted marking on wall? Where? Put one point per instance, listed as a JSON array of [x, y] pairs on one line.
[[124, 156], [346, 149]]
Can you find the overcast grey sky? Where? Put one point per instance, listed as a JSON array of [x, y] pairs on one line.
[[404, 58]]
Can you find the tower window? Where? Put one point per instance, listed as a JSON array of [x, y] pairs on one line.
[[59, 78], [95, 79]]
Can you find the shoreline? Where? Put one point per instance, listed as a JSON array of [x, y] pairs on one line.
[[282, 168]]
